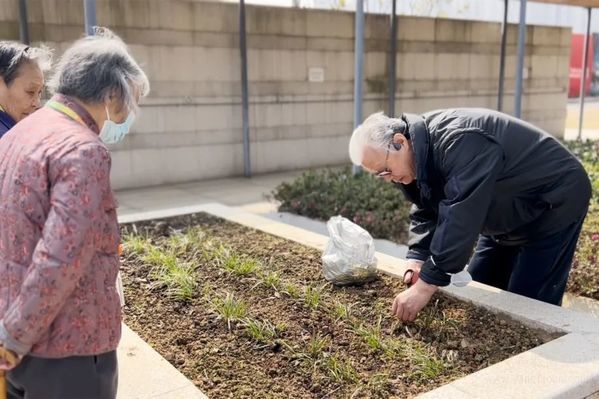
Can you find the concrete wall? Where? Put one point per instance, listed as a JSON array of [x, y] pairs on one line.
[[190, 127]]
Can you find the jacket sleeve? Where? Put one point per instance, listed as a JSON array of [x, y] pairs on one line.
[[423, 222], [470, 164], [64, 252]]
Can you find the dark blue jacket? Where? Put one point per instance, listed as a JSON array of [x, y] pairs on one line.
[[483, 172], [6, 123]]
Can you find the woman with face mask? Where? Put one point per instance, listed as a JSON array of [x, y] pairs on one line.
[[21, 81], [60, 314]]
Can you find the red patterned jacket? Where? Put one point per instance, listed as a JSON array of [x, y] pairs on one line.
[[58, 238]]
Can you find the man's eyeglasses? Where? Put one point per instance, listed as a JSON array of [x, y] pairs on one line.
[[386, 171]]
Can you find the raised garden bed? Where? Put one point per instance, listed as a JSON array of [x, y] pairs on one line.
[[246, 314]]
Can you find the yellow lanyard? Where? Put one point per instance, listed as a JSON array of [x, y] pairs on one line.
[[60, 107], [2, 109]]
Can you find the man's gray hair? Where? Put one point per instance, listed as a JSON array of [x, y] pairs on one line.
[[98, 66], [13, 55], [376, 131]]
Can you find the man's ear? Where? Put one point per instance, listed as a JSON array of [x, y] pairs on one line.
[[399, 140]]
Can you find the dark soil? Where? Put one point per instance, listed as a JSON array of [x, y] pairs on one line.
[[314, 349]]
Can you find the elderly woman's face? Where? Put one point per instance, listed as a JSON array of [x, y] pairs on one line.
[[117, 110], [23, 95]]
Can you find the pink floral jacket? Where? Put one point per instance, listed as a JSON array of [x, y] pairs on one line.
[[58, 238]]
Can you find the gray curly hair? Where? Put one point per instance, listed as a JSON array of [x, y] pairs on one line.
[[98, 66]]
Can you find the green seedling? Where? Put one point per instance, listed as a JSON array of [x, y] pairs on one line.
[[261, 331], [239, 266], [195, 236], [179, 277], [230, 309], [207, 290], [312, 297], [292, 290], [317, 345], [178, 243], [379, 386], [216, 251], [272, 279], [155, 257], [136, 244], [372, 337], [339, 370], [341, 311], [426, 365], [180, 280], [395, 349]]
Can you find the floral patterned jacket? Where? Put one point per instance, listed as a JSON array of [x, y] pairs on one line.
[[58, 238]]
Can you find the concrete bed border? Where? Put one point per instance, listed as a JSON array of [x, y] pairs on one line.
[[567, 367]]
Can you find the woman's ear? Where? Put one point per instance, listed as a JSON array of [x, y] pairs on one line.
[[114, 104]]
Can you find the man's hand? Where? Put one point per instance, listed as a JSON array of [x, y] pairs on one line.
[[408, 303], [414, 265]]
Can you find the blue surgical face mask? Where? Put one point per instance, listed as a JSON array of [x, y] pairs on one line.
[[114, 132]]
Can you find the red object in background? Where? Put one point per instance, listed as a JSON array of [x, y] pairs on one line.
[[575, 65]]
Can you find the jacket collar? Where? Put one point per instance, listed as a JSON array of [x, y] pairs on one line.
[[78, 109], [6, 121], [420, 137]]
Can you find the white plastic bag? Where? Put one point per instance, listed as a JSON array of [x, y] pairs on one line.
[[349, 255]]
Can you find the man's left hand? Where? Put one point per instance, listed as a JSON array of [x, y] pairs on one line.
[[408, 303]]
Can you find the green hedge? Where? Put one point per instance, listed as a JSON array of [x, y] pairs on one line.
[[377, 206], [584, 278]]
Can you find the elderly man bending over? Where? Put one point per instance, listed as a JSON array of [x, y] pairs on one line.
[[476, 174]]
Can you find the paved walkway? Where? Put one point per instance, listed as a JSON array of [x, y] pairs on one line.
[[144, 374], [232, 191]]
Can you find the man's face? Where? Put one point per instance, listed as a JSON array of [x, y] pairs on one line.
[[23, 95], [390, 164]]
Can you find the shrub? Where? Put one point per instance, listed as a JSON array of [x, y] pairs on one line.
[[584, 278], [377, 206], [588, 153]]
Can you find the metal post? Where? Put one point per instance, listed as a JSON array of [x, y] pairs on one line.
[[502, 56], [23, 26], [247, 171], [520, 62], [359, 62], [583, 71], [89, 10], [392, 58]]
